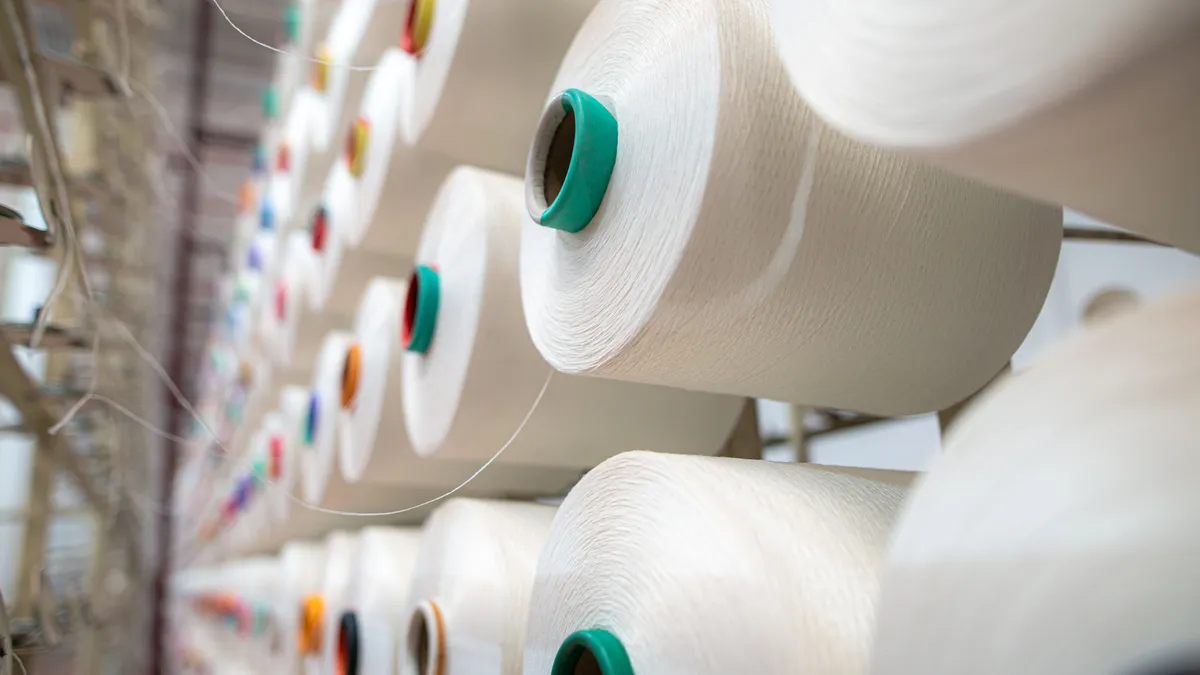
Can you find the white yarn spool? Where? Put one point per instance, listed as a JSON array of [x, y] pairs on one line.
[[256, 382], [482, 75], [373, 444], [342, 275], [481, 375], [396, 182], [337, 591], [281, 467], [321, 481], [387, 558], [1082, 103], [712, 565], [281, 310], [310, 16], [292, 335], [469, 599], [1088, 270], [361, 32], [302, 571], [297, 168], [1057, 533], [282, 428], [301, 521], [784, 260]]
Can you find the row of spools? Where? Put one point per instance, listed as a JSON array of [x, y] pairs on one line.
[[1063, 505], [687, 233]]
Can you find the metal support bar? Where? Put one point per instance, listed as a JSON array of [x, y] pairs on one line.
[[189, 205], [37, 525]]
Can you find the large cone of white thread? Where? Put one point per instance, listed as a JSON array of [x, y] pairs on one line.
[[361, 32], [373, 446], [322, 482], [712, 565], [1058, 532], [301, 520], [312, 16], [341, 275], [343, 550], [387, 558], [302, 572], [297, 168], [266, 462], [744, 247], [283, 456], [1088, 104], [482, 75], [395, 182], [481, 375], [299, 330], [469, 599]]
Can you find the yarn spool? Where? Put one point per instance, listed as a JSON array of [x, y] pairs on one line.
[[301, 521], [338, 587], [280, 312], [1100, 122], [1063, 506], [373, 444], [397, 181], [303, 19], [276, 487], [292, 334], [469, 598], [784, 558], [296, 182], [342, 275], [859, 279], [359, 35], [322, 483], [504, 52], [386, 562], [480, 374], [279, 466], [258, 395], [1089, 272]]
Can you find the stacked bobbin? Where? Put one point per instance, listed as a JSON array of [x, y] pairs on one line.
[[472, 378], [373, 446], [1097, 121]]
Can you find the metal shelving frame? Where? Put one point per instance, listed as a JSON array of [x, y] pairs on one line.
[[106, 189]]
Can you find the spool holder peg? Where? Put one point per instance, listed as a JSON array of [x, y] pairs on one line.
[[320, 71], [351, 375], [356, 146], [270, 103], [320, 229], [417, 25], [281, 298], [312, 613], [570, 161], [347, 657], [421, 309], [593, 651], [311, 419], [426, 644], [291, 22]]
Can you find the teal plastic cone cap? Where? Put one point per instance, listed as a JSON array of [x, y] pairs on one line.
[[421, 309], [310, 420], [270, 103], [591, 165], [291, 22], [605, 647]]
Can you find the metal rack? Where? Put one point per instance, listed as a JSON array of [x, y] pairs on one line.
[[80, 595]]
